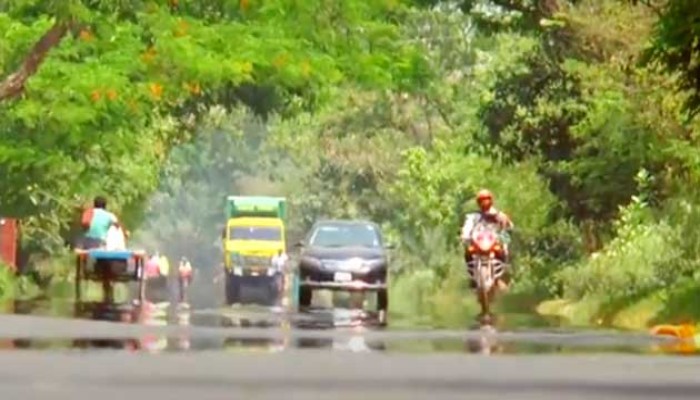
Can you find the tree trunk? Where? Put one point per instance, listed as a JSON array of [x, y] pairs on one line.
[[13, 85]]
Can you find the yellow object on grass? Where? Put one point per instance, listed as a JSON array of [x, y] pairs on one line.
[[683, 331], [689, 340]]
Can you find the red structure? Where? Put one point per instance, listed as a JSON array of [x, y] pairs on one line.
[[9, 239]]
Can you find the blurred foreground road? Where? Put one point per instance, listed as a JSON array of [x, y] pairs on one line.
[[311, 374], [315, 374]]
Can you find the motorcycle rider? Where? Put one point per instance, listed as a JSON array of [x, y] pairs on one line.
[[102, 230], [487, 212]]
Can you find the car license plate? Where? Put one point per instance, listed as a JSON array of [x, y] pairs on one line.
[[342, 277]]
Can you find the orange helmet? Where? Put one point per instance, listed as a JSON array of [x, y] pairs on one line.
[[483, 194]]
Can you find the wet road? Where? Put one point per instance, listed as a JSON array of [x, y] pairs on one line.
[[314, 374], [253, 352]]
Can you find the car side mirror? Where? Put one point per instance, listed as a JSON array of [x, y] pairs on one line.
[[299, 244], [390, 246]]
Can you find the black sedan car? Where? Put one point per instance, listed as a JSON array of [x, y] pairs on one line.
[[345, 255]]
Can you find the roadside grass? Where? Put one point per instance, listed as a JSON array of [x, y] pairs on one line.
[[666, 306], [420, 299], [681, 305], [7, 283]]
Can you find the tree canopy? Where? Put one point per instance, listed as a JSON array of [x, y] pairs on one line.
[[580, 115], [95, 93]]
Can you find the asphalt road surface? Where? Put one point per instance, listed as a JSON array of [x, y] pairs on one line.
[[313, 373], [333, 375]]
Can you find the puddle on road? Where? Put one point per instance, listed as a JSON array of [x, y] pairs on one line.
[[529, 335]]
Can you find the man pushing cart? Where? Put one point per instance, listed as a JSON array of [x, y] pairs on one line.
[[102, 254]]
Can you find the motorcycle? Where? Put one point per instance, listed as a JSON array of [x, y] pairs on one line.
[[485, 262]]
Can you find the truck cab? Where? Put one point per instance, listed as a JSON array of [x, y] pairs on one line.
[[254, 235]]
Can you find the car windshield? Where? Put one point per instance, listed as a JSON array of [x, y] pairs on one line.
[[345, 236], [269, 233]]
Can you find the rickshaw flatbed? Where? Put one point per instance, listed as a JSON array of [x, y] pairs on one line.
[[109, 266]]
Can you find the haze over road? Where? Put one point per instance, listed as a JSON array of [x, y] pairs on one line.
[[321, 373]]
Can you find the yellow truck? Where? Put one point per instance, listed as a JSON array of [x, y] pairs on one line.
[[254, 238]]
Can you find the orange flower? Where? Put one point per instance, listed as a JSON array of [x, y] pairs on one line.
[[305, 69], [86, 36], [244, 4], [149, 55], [181, 29], [280, 60], [112, 94], [133, 106], [156, 90], [193, 88], [96, 95]]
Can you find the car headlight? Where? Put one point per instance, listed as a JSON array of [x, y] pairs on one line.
[[311, 262], [356, 265], [372, 264], [236, 259]]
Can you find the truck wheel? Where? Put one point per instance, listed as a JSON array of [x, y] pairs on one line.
[[305, 294], [273, 292], [233, 289]]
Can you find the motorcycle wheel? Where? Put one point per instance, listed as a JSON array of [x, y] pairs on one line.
[[483, 293]]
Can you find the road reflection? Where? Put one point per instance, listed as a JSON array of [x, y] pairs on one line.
[[338, 329], [353, 324]]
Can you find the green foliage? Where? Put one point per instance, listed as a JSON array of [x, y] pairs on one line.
[[394, 111], [674, 43], [559, 134], [7, 283], [128, 81], [630, 264]]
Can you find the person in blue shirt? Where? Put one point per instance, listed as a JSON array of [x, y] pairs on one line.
[[98, 220]]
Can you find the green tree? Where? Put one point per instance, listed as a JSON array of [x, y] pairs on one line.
[[98, 92]]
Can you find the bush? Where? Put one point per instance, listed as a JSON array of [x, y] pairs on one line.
[[7, 282], [637, 261], [430, 286]]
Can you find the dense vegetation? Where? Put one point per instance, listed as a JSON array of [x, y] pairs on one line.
[[580, 116]]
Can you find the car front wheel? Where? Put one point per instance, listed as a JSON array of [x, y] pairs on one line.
[[305, 295], [382, 300]]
